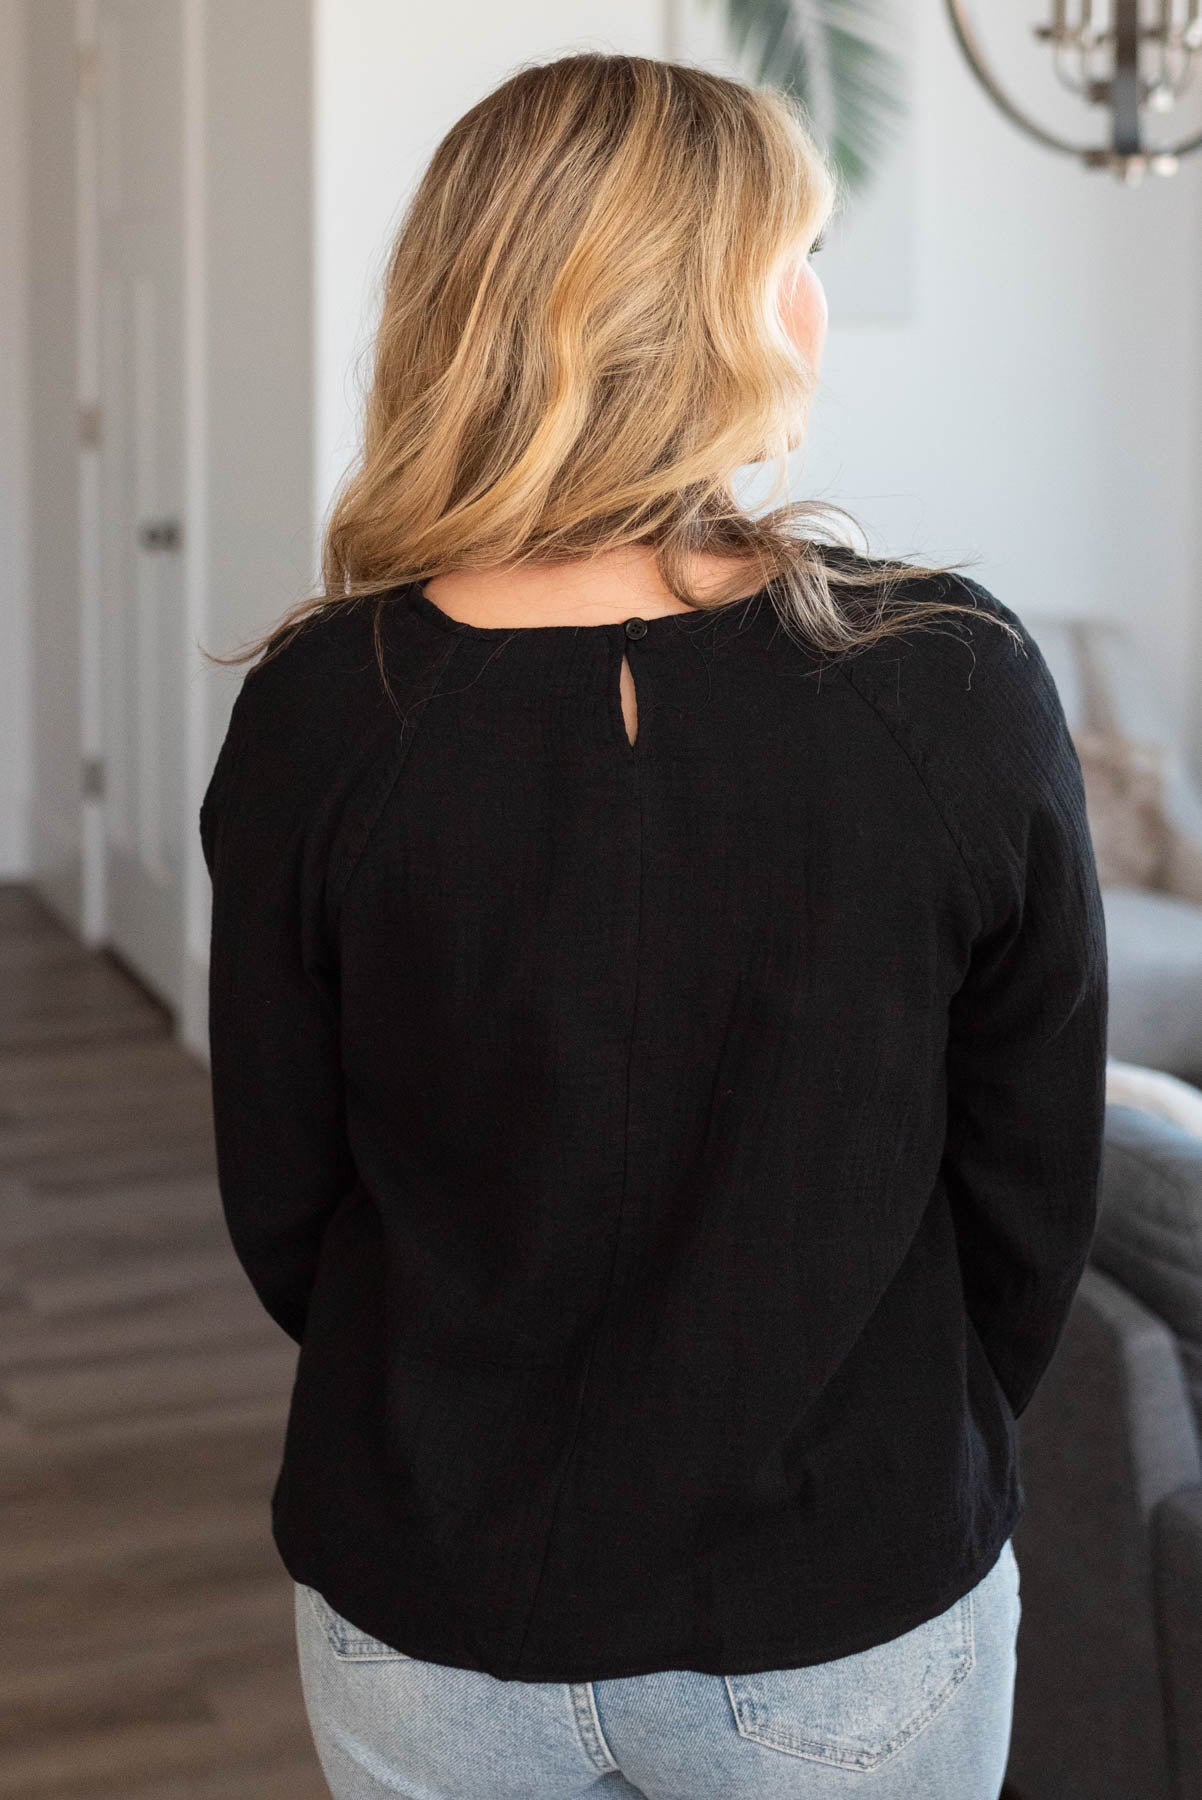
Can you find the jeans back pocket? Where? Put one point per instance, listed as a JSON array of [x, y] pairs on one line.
[[858, 1710], [347, 1640]]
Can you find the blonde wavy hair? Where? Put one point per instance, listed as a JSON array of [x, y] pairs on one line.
[[581, 343]]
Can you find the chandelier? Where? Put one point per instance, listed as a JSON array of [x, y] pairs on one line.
[[1132, 60]]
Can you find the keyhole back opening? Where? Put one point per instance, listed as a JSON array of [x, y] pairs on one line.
[[629, 701]]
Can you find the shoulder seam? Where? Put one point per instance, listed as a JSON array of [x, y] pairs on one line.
[[362, 829], [952, 832]]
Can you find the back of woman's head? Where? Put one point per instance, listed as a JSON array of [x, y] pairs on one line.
[[581, 343]]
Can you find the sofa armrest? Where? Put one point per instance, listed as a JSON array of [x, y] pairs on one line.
[[1183, 867], [1178, 1570], [1108, 688], [1108, 1437], [1183, 815], [1155, 1433]]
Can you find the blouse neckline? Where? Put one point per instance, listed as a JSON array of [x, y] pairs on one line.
[[659, 624]]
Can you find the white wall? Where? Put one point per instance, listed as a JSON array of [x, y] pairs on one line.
[[1042, 410], [389, 81], [14, 450], [258, 327], [250, 219]]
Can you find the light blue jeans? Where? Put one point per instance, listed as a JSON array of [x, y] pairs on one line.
[[926, 1716]]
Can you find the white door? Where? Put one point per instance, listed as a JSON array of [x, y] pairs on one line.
[[141, 527]]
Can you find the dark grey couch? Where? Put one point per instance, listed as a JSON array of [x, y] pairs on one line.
[[1108, 1704]]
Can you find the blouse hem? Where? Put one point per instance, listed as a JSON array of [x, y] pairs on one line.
[[759, 1657]]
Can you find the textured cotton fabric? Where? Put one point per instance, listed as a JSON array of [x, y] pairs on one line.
[[674, 1160]]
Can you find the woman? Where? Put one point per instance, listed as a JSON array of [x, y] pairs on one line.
[[657, 1011]]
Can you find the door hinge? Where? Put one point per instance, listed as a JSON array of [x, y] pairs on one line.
[[89, 427], [160, 534], [87, 67], [92, 777]]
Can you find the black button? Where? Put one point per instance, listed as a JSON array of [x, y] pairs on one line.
[[636, 628]]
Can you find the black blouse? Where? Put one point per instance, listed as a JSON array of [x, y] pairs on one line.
[[674, 1160]]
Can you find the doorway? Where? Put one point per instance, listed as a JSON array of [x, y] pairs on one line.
[[132, 79]]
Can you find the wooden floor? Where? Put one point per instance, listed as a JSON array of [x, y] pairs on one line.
[[146, 1649]]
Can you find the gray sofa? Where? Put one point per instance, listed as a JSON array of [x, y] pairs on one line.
[[1154, 930], [1108, 1702]]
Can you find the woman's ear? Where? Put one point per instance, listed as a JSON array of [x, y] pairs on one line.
[[803, 309]]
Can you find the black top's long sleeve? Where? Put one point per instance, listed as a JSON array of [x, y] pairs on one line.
[[278, 823], [282, 1153], [1027, 1073], [1026, 1055]]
